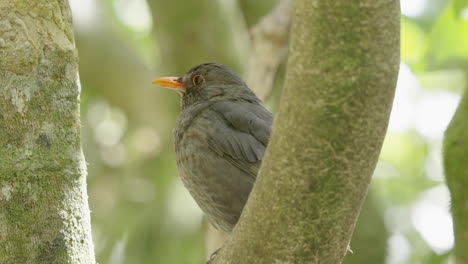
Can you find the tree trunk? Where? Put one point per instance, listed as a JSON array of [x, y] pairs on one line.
[[342, 70], [456, 174], [44, 214]]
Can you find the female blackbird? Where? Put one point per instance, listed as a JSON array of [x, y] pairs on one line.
[[220, 138]]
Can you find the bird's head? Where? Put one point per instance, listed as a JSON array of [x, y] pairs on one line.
[[208, 81]]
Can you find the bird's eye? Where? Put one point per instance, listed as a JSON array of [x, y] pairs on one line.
[[198, 80]]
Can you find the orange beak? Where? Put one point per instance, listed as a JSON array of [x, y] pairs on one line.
[[171, 83]]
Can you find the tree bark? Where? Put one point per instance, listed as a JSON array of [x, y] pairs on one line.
[[44, 214], [341, 74], [456, 175]]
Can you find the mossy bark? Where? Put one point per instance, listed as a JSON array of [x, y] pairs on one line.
[[339, 87], [44, 214], [456, 175]]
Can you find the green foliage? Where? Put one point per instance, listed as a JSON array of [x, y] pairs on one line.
[[447, 42], [458, 6], [413, 42]]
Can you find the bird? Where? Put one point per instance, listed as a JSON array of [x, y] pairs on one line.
[[220, 137]]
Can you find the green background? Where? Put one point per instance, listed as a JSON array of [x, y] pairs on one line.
[[140, 211]]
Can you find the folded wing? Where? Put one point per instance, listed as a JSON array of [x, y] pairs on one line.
[[240, 133]]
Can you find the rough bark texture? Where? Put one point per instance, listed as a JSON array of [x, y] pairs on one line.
[[342, 70], [44, 214], [456, 175]]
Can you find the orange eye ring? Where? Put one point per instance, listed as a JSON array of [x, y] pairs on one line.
[[198, 80]]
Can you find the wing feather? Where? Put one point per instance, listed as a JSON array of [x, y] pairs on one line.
[[240, 133]]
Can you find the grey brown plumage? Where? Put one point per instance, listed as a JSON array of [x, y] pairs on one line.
[[220, 138]]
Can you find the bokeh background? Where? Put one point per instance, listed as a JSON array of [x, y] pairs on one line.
[[140, 211]]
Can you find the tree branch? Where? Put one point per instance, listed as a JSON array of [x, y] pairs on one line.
[[456, 175], [341, 75]]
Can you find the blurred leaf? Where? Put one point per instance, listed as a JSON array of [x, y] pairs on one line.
[[420, 250], [401, 169], [438, 259], [458, 6], [404, 151], [453, 80], [138, 38], [447, 42], [413, 42]]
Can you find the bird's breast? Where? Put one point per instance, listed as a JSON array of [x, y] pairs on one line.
[[219, 188]]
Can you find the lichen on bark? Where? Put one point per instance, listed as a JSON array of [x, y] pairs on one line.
[[339, 86], [44, 214], [455, 158]]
